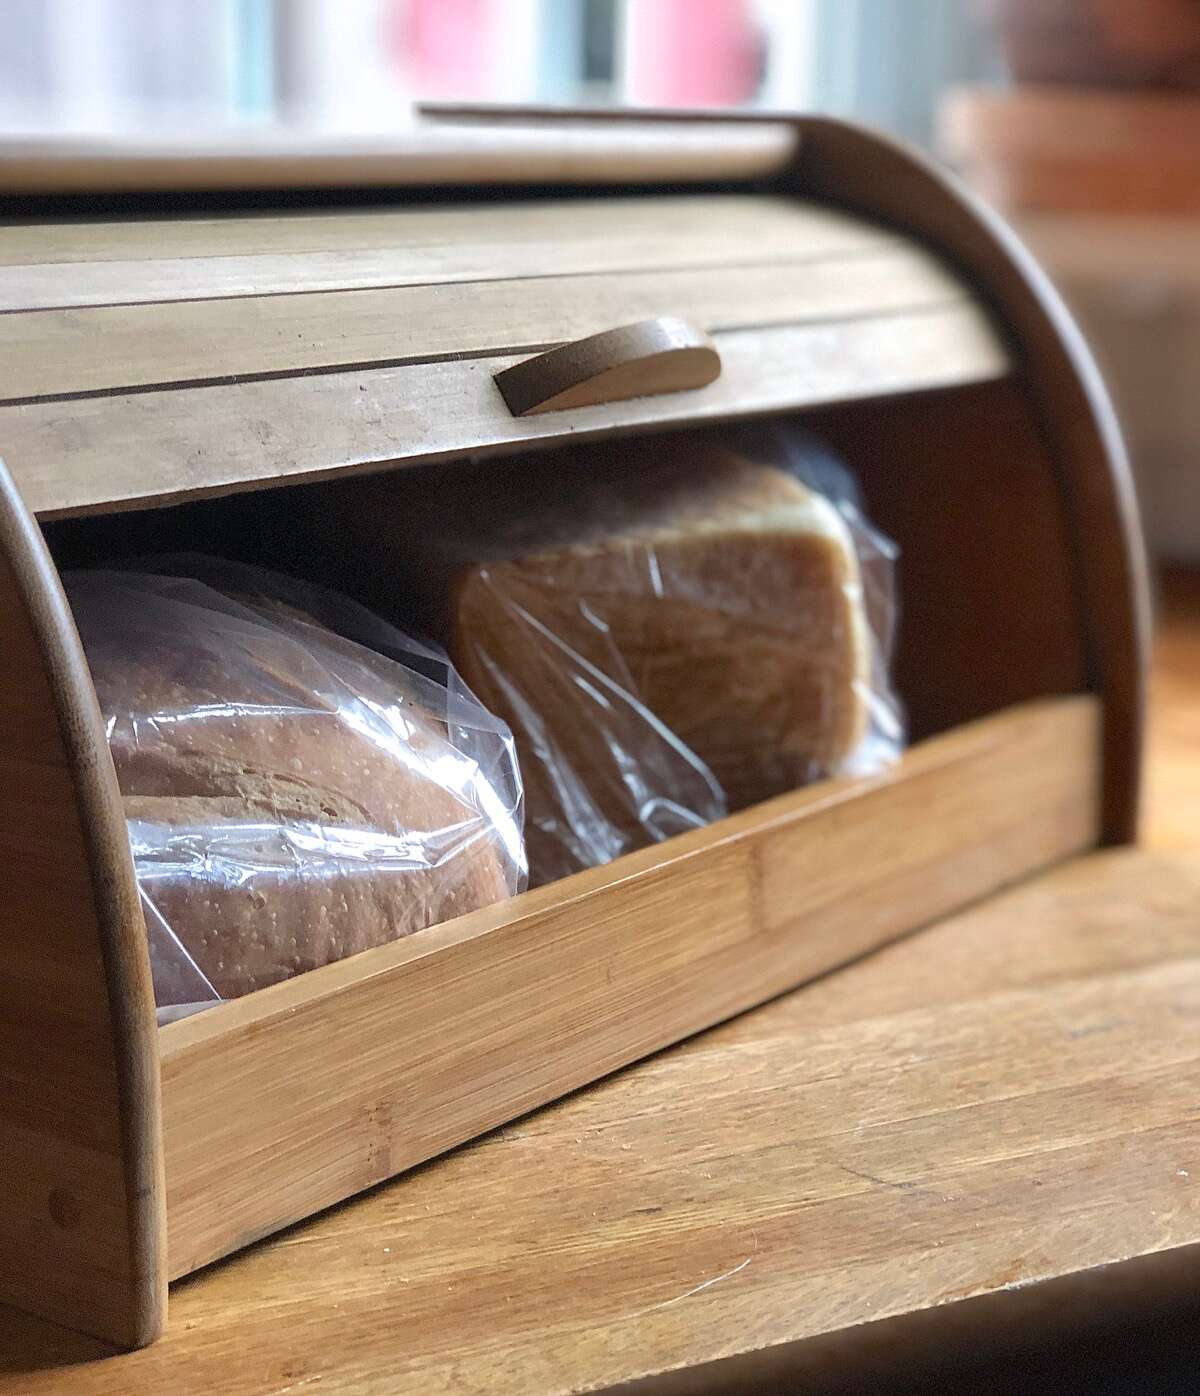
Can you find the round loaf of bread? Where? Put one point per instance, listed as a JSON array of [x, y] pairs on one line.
[[292, 798]]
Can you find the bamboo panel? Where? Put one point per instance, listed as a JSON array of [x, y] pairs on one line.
[[61, 264], [290, 1099], [65, 352], [133, 451]]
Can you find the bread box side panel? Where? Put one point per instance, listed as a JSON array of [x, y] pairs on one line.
[[82, 1220], [869, 173]]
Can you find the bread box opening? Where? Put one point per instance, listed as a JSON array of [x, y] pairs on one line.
[[988, 611], [1002, 776], [628, 728]]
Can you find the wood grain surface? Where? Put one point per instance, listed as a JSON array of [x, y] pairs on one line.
[[288, 347], [1004, 1100], [82, 1223], [106, 348], [44, 265]]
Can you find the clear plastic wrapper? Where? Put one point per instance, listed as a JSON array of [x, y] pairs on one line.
[[815, 465], [301, 781], [675, 627]]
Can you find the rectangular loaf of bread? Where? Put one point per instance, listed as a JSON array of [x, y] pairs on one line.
[[670, 630]]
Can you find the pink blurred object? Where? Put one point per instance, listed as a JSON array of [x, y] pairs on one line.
[[445, 45], [692, 53]]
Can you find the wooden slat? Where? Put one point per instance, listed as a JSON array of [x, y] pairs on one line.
[[428, 152], [371, 227], [64, 284], [284, 1102], [49, 264], [64, 352], [105, 453]]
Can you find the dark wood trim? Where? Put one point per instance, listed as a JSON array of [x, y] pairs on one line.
[[872, 174]]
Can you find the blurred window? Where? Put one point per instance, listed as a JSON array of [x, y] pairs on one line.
[[111, 65]]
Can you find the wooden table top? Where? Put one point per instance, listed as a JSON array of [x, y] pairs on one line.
[[1004, 1099]]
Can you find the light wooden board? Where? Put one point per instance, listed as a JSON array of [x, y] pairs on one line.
[[96, 263], [1000, 1104], [427, 152], [65, 352], [288, 1100], [422, 229], [148, 448]]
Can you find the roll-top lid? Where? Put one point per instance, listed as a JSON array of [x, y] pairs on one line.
[[157, 359]]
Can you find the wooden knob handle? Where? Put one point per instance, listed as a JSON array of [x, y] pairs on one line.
[[642, 360]]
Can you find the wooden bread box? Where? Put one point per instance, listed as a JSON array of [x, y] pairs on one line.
[[163, 368]]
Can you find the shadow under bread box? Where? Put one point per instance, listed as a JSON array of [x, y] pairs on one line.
[[825, 275]]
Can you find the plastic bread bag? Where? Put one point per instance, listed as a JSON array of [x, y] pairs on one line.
[[815, 465], [292, 796], [675, 627]]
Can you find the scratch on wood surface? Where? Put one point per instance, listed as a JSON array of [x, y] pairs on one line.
[[874, 1178], [900, 1185], [687, 1294], [1095, 1029]]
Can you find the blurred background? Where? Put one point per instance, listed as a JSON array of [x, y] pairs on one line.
[[359, 64], [1079, 118]]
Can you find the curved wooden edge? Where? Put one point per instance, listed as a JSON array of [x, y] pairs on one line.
[[647, 359], [873, 174], [83, 1235]]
